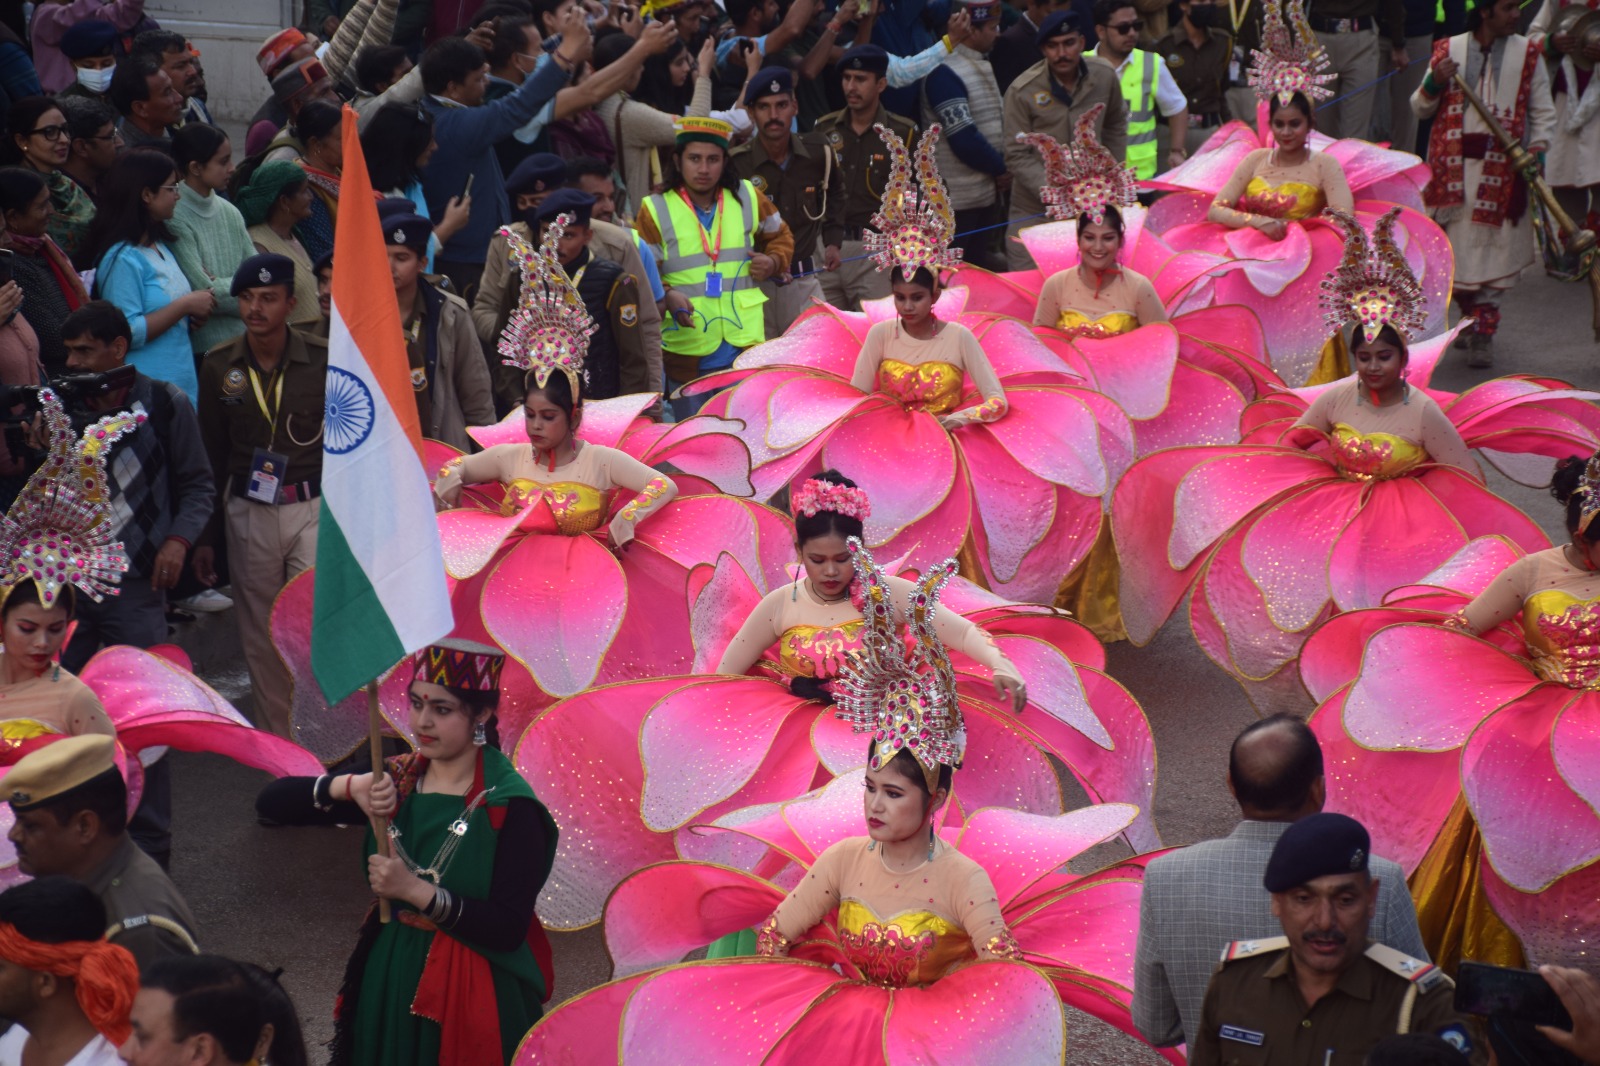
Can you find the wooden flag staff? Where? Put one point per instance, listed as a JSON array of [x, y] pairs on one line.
[[380, 826]]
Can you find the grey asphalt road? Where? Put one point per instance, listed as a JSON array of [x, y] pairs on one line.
[[292, 898]]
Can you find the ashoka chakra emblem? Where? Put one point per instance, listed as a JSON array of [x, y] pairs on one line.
[[348, 413]]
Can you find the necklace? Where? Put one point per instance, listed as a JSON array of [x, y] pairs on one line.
[[902, 873], [441, 859], [820, 598]]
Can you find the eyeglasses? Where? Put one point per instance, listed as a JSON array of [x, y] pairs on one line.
[[173, 188], [1127, 27], [49, 133], [114, 135]]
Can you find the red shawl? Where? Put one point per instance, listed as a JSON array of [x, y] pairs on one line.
[[1492, 199]]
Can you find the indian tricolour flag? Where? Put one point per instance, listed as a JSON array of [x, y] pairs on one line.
[[380, 585]]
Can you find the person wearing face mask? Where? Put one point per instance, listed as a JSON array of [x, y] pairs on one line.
[[1198, 51], [51, 21], [90, 46]]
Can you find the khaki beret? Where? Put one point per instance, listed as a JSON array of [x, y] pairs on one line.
[[59, 768]]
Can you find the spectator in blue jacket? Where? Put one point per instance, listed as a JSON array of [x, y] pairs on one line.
[[455, 76], [963, 97], [904, 28]]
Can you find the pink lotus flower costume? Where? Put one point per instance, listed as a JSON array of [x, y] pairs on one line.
[[1419, 720], [1377, 496], [526, 549], [1279, 278], [900, 981], [627, 769]]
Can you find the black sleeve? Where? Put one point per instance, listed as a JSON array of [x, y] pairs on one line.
[[305, 801], [521, 862]]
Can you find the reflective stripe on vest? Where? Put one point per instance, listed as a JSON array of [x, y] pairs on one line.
[[735, 316], [1139, 90]]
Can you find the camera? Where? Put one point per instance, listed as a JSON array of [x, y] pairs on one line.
[[73, 389]]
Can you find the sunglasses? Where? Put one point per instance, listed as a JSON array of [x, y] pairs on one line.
[[1128, 27], [49, 133]]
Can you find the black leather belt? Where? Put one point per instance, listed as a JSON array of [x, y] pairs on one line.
[[800, 267], [299, 492]]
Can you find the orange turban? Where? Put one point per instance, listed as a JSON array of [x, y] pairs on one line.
[[106, 976]]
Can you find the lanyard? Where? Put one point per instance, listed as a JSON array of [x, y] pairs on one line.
[[277, 402], [716, 225]]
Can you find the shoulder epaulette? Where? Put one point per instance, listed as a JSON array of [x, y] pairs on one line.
[[1425, 975], [1244, 949]]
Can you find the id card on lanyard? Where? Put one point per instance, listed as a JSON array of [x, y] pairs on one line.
[[267, 467], [712, 250]]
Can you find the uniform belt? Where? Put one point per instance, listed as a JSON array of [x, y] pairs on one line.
[[299, 492], [1205, 120], [801, 267], [1355, 25]]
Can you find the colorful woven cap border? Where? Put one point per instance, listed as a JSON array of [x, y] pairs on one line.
[[691, 128], [459, 664]]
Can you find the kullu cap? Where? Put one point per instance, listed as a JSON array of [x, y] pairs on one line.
[[705, 130], [983, 12], [1059, 24], [770, 81], [91, 37], [407, 231], [574, 202], [298, 80], [1319, 846], [458, 664], [270, 56], [540, 172], [59, 769], [867, 57], [263, 268]]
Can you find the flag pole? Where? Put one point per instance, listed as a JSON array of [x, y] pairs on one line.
[[380, 826]]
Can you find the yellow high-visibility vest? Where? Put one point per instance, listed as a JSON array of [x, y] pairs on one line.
[[736, 315]]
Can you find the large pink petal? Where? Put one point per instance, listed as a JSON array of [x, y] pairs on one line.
[[1228, 340], [904, 460], [664, 912], [1135, 369], [1000, 294], [583, 1031], [1512, 783], [580, 757], [1402, 797], [1084, 932], [678, 1008], [1276, 263], [1205, 409], [1467, 679], [1480, 512], [1556, 924], [1401, 532], [555, 605], [704, 740], [1065, 543], [1003, 768], [939, 535], [1331, 656], [1055, 436], [1016, 507], [804, 406], [1143, 516], [718, 609], [1223, 485], [1072, 639], [826, 342], [701, 447], [471, 538], [1575, 744], [936, 1025], [849, 1022], [1283, 550], [1016, 354], [329, 733], [1017, 848]]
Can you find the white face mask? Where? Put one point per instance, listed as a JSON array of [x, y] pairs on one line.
[[96, 81]]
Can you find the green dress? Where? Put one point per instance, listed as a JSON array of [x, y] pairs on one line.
[[382, 1027]]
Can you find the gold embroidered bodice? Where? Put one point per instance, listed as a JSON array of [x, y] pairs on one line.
[[1374, 456], [933, 387], [1293, 200], [911, 948], [818, 651], [1563, 635], [1111, 324], [576, 507]]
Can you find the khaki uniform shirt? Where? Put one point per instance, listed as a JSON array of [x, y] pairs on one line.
[[146, 914], [233, 424], [808, 189], [1202, 73], [1032, 106], [1254, 1014], [863, 161]]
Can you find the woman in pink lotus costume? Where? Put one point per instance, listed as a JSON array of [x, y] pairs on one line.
[[1474, 747], [565, 547], [893, 947], [1260, 198], [975, 442], [1373, 487], [684, 751]]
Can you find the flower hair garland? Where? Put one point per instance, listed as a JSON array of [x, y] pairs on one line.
[[814, 496], [1291, 59], [1082, 177]]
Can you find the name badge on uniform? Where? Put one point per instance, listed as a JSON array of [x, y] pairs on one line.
[[713, 285], [1243, 1036], [1041, 99], [266, 475], [419, 378]]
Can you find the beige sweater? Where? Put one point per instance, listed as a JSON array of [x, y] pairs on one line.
[[637, 129]]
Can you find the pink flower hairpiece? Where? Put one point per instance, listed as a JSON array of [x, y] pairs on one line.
[[814, 496]]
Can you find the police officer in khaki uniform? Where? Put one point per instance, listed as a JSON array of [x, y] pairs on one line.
[[71, 808], [1050, 97], [801, 176], [864, 169], [1322, 994], [261, 400], [1198, 51]]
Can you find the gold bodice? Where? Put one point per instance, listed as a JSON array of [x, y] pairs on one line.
[[1111, 324], [576, 507], [818, 651], [1293, 200], [932, 387], [1563, 635], [912, 948], [1374, 456]]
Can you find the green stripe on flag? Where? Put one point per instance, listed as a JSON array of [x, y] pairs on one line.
[[354, 640]]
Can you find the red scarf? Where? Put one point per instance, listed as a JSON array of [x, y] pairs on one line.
[[48, 250], [1492, 199]]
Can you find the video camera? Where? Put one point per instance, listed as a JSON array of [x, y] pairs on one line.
[[75, 390]]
